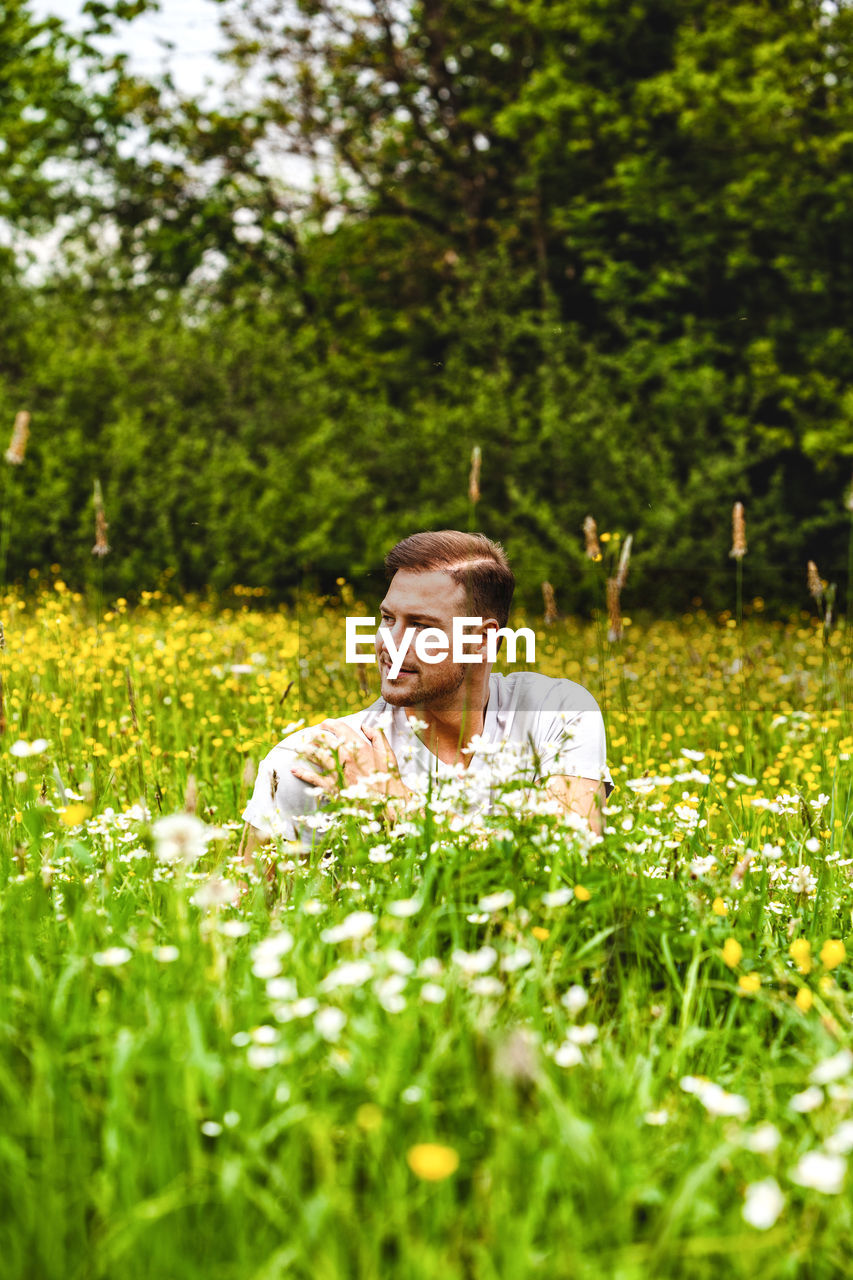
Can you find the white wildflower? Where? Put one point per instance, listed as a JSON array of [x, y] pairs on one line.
[[575, 999], [404, 907], [586, 1034], [235, 928], [518, 959], [568, 1055], [475, 961], [764, 1139], [180, 838], [112, 957], [350, 974], [262, 1056], [715, 1099], [433, 993], [808, 1100], [496, 901], [834, 1068], [802, 880], [558, 897], [820, 1172], [762, 1204], [281, 989], [21, 748], [355, 926], [329, 1022], [216, 892], [841, 1142], [487, 985], [264, 1035]]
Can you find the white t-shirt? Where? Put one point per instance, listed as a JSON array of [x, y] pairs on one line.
[[554, 727]]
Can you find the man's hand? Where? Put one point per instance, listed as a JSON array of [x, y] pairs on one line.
[[358, 755], [583, 796]]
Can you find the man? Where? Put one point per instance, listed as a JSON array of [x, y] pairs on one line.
[[441, 718]]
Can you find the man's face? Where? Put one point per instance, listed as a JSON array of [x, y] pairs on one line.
[[421, 600]]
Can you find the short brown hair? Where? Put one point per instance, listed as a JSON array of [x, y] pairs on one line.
[[472, 560]]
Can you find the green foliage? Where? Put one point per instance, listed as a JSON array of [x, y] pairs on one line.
[[610, 247]]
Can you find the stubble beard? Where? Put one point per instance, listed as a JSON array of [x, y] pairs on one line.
[[424, 693]]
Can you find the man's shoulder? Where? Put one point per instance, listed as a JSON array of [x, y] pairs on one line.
[[533, 691]]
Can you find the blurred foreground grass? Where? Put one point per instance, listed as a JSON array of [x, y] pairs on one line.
[[449, 1051]]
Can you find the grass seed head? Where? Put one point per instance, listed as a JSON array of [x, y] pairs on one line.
[[548, 596], [101, 547], [738, 550], [474, 476], [624, 561], [17, 450], [614, 612], [590, 533], [814, 582]]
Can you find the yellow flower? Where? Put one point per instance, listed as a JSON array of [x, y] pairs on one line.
[[369, 1117], [749, 983], [431, 1161], [832, 953], [74, 814], [804, 999], [539, 933], [582, 894], [732, 952], [801, 953], [718, 907], [826, 983]]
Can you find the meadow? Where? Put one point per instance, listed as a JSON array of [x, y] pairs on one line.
[[447, 1049]]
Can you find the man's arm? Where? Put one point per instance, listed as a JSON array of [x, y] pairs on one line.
[[584, 796], [252, 843]]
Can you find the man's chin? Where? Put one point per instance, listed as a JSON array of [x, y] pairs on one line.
[[397, 695]]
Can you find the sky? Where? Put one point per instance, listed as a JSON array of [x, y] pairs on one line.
[[191, 25]]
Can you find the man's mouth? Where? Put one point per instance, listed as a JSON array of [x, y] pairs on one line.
[[385, 666]]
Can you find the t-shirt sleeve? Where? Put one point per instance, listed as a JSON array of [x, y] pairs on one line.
[[570, 740], [278, 797]]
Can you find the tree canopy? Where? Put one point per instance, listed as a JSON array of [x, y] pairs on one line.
[[611, 245]]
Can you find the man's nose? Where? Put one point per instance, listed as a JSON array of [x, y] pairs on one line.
[[397, 631]]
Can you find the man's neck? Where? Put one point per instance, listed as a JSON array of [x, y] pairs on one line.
[[450, 729]]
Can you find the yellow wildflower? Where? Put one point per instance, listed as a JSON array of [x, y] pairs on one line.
[[804, 999], [539, 933], [432, 1161], [801, 953], [749, 983], [582, 894], [832, 953], [74, 814], [732, 952], [719, 907]]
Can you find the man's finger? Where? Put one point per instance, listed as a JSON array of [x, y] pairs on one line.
[[381, 743], [323, 781], [342, 731], [377, 738]]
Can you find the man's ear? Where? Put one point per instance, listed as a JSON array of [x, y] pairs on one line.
[[489, 624]]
